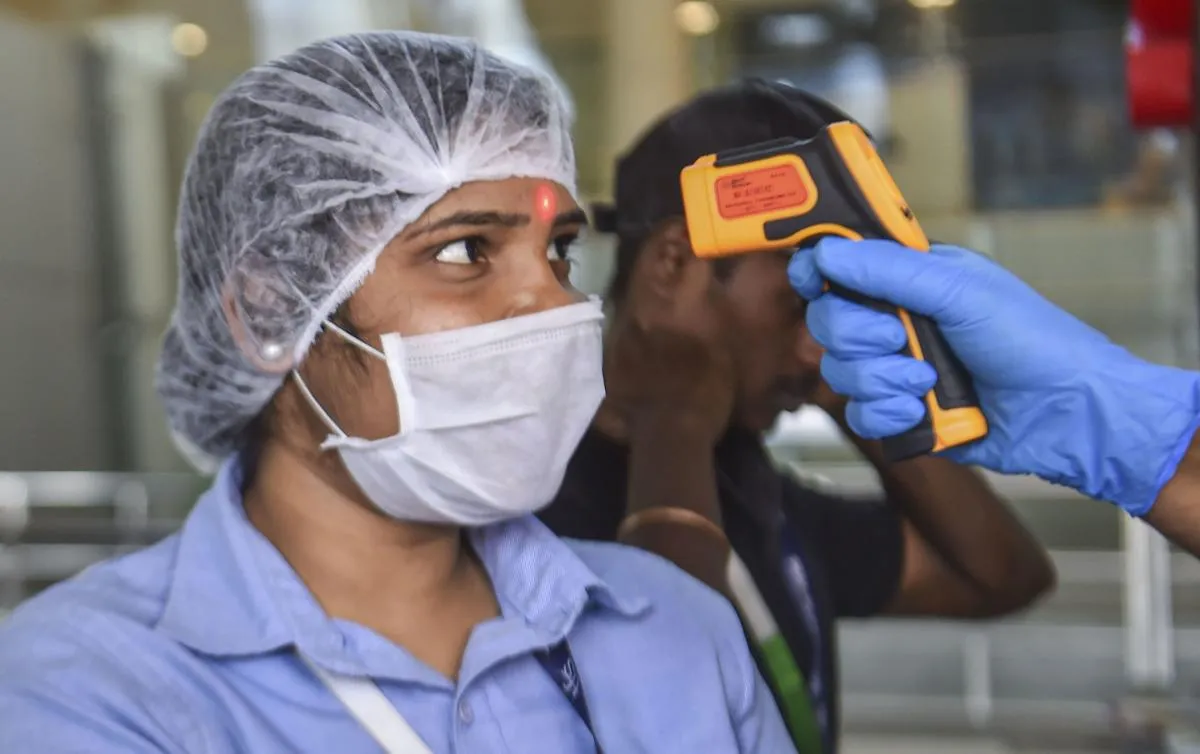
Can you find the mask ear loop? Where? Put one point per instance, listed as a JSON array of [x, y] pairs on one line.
[[321, 413], [313, 403], [354, 341]]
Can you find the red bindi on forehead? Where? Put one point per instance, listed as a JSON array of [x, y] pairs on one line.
[[545, 203]]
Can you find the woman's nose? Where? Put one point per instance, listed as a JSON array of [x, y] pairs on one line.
[[536, 287]]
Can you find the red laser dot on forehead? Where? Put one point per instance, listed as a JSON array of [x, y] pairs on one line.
[[545, 203]]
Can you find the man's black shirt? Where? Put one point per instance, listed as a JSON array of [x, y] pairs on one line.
[[852, 549]]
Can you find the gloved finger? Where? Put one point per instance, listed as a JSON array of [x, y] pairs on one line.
[[966, 258], [888, 271], [804, 276], [874, 420], [851, 331], [876, 379]]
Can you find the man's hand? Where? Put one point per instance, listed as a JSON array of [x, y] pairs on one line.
[[669, 359], [670, 375], [824, 398]]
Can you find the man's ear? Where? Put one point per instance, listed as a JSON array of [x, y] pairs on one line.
[[665, 258]]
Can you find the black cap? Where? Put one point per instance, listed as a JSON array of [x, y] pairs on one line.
[[647, 177]]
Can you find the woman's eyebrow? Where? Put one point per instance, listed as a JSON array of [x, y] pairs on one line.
[[474, 219], [486, 218]]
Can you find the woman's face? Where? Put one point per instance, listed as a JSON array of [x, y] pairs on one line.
[[487, 251]]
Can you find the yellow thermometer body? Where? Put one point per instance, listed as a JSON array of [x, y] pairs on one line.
[[790, 193]]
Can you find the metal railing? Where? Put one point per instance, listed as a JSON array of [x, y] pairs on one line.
[[55, 524]]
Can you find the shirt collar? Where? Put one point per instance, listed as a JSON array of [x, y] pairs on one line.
[[233, 594], [538, 575]]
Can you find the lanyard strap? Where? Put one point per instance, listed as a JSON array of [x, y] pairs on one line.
[[795, 700], [779, 665], [560, 665], [367, 703], [795, 575]]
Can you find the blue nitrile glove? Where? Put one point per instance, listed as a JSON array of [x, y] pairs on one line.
[[1062, 401]]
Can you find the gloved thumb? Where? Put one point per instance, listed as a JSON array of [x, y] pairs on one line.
[[918, 281], [804, 275]]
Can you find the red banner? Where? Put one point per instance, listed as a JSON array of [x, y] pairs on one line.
[[1164, 18], [1158, 57]]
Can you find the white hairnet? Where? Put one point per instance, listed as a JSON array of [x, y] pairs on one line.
[[305, 168]]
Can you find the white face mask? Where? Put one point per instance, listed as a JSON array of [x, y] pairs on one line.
[[489, 417]]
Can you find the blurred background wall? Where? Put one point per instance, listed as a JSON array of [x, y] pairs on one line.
[[1003, 121]]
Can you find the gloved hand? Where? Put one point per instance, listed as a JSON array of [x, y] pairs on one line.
[[1062, 401]]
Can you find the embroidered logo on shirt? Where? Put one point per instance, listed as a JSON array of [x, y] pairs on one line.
[[570, 678]]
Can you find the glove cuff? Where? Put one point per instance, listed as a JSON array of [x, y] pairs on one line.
[[1162, 416], [1172, 465]]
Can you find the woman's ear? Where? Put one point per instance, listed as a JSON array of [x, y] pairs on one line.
[[273, 358], [665, 258]]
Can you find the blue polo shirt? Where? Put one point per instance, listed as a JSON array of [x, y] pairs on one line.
[[192, 646]]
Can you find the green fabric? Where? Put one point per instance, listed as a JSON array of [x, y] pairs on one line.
[[788, 682]]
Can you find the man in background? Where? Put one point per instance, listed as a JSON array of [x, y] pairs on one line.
[[702, 357]]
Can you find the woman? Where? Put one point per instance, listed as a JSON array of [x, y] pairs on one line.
[[376, 336]]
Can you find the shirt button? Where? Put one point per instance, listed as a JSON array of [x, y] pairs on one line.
[[465, 714]]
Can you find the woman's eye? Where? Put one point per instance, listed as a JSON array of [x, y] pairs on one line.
[[465, 251]]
